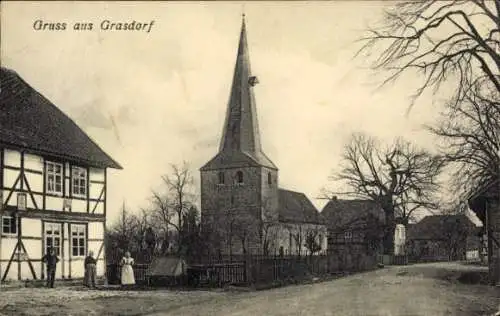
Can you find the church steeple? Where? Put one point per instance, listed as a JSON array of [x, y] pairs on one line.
[[241, 135], [241, 130]]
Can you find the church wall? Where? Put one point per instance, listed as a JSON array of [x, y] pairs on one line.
[[292, 234], [269, 194], [231, 211]]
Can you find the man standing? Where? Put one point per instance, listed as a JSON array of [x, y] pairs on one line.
[[51, 261], [90, 270]]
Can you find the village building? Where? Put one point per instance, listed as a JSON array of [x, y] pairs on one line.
[[53, 186], [485, 202], [242, 206], [354, 226], [443, 238]]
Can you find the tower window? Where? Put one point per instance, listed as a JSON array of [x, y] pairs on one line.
[[221, 177], [269, 178], [239, 177]]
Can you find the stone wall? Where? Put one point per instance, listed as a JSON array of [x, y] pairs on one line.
[[231, 211]]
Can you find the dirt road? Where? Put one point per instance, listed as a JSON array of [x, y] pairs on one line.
[[412, 290]]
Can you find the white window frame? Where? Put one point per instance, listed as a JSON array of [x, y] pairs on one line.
[[79, 181], [348, 235], [11, 220], [52, 174], [78, 233], [53, 231]]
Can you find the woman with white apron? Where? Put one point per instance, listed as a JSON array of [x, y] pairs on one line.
[[127, 271]]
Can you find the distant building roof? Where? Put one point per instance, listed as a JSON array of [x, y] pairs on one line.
[[340, 214], [295, 207], [29, 121], [433, 227]]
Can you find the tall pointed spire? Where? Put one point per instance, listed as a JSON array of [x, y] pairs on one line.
[[240, 145], [241, 127]]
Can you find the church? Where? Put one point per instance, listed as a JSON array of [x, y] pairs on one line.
[[243, 209]]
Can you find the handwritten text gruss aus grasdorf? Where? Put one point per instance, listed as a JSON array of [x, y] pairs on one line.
[[104, 25]]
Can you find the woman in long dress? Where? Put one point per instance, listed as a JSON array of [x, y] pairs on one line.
[[90, 270], [127, 271]]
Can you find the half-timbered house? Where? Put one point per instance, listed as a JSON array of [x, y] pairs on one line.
[[53, 186]]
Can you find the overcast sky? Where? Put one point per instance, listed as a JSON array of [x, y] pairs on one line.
[[167, 90]]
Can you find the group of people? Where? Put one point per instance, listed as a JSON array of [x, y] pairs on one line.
[[127, 273]]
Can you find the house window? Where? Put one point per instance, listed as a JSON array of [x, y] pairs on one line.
[[9, 225], [53, 237], [78, 240], [239, 177], [79, 179], [269, 178], [348, 236], [221, 177], [54, 177]]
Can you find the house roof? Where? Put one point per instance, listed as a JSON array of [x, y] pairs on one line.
[[484, 192], [340, 214], [236, 159], [30, 121], [295, 207], [432, 227]]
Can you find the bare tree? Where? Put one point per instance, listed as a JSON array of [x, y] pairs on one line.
[[443, 41], [127, 234], [312, 242], [227, 228], [400, 178], [270, 234], [171, 206], [270, 227], [246, 230], [297, 233], [469, 135], [180, 184], [140, 223], [162, 215], [124, 230]]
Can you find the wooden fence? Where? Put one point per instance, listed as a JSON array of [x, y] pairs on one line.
[[113, 273], [267, 269], [259, 269]]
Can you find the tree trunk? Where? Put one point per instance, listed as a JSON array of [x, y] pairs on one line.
[[389, 231]]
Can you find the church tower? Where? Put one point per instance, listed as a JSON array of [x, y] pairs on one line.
[[239, 186]]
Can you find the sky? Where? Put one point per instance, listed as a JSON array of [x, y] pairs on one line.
[[159, 98]]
